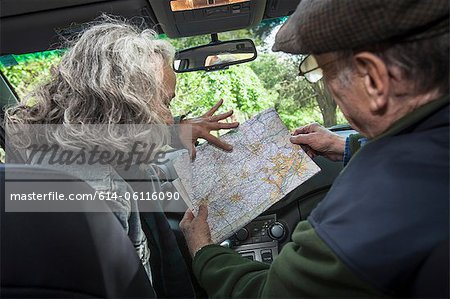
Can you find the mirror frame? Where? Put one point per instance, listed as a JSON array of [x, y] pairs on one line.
[[217, 66]]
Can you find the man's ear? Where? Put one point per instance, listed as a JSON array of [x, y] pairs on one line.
[[375, 77]]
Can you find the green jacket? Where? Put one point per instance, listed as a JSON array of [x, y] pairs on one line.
[[306, 267]]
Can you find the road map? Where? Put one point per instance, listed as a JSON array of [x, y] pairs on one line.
[[263, 167]]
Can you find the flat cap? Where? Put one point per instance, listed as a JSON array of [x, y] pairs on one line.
[[320, 26]]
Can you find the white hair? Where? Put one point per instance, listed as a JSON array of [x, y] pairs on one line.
[[112, 73]]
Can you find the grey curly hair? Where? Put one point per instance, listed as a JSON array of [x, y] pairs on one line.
[[112, 73]]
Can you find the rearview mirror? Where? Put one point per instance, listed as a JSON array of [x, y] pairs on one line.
[[215, 56]]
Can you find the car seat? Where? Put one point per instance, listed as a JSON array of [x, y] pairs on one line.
[[65, 254]]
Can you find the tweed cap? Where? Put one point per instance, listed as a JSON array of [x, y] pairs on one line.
[[320, 26]]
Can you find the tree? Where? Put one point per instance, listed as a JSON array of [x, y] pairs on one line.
[[270, 80], [326, 104], [265, 28], [295, 95], [239, 86], [30, 70]]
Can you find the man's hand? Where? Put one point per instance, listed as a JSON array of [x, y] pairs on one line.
[[201, 127], [317, 140], [196, 229]]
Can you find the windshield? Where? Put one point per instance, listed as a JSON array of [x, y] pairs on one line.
[[269, 81]]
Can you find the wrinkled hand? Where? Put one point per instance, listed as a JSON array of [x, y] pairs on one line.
[[196, 229], [317, 140], [201, 127]]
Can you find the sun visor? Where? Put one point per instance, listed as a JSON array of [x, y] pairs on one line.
[[32, 26]]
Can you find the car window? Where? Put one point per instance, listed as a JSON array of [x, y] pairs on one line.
[[26, 71], [269, 81]]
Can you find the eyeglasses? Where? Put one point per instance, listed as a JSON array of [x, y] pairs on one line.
[[310, 69]]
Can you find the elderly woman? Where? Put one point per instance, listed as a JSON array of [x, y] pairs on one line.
[[113, 74]]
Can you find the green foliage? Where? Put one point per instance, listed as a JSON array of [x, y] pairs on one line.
[[264, 28], [238, 86], [294, 97], [248, 88], [31, 70], [270, 80], [2, 156]]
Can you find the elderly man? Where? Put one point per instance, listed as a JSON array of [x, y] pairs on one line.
[[386, 63]]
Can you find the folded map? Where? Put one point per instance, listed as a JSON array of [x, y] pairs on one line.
[[263, 167]]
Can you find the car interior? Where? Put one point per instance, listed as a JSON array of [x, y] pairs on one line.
[[32, 242]]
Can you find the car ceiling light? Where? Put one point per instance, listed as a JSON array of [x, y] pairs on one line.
[[181, 5]]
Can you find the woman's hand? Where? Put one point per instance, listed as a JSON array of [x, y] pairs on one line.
[[200, 127]]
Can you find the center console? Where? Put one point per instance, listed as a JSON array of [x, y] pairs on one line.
[[259, 240]]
